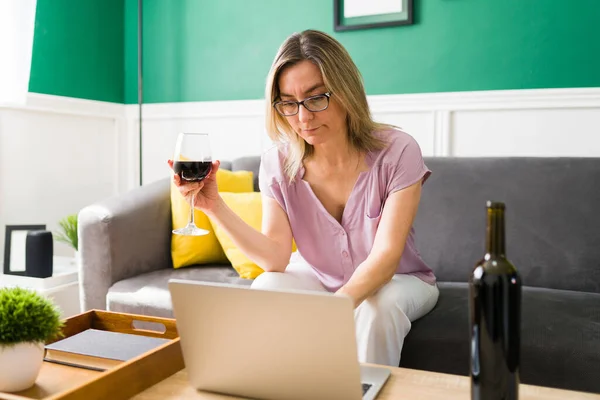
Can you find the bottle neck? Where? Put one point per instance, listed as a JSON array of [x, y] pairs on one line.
[[495, 232]]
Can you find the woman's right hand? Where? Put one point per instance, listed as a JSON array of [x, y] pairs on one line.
[[206, 191]]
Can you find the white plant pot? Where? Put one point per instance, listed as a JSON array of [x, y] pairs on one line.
[[20, 365]]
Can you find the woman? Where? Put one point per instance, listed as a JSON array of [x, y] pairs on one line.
[[344, 187]]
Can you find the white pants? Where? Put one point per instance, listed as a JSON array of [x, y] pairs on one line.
[[382, 321]]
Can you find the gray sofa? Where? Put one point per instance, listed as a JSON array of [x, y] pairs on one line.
[[553, 238]]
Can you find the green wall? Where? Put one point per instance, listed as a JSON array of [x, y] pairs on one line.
[[221, 50], [198, 50], [131, 52], [78, 49]]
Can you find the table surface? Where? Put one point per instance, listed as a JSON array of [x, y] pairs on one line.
[[402, 384]]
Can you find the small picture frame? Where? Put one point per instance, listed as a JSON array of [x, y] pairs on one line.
[[14, 247], [366, 14]]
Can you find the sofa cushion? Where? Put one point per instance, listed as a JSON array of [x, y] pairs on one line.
[[148, 294], [560, 337], [248, 206], [551, 217], [251, 163], [439, 341], [191, 250]]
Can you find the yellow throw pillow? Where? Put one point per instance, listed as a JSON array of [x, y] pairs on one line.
[[248, 206], [191, 250]]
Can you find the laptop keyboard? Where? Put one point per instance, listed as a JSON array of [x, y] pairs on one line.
[[366, 387]]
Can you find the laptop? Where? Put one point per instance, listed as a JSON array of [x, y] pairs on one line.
[[271, 344]]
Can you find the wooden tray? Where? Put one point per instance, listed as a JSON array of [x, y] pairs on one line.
[[123, 381]]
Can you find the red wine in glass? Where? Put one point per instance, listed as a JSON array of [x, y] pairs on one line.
[[192, 171], [192, 161]]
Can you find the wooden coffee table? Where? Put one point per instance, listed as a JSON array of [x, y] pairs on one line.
[[160, 373], [402, 384]]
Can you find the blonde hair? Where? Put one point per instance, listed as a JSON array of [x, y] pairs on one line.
[[341, 77]]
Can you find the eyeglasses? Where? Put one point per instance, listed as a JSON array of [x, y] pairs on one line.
[[316, 103]]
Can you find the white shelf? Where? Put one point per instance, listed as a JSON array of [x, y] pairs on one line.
[[64, 271]]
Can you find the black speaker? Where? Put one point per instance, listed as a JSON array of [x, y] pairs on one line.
[[39, 251]]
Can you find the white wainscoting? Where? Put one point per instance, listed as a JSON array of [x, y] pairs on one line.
[[539, 123], [236, 129], [59, 154]]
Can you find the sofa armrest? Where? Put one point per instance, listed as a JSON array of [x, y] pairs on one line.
[[121, 237]]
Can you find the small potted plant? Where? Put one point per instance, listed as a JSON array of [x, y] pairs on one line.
[[68, 234], [68, 231], [27, 321]]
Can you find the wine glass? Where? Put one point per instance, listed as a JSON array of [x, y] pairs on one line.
[[192, 161]]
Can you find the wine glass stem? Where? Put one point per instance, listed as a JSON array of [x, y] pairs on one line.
[[192, 202]]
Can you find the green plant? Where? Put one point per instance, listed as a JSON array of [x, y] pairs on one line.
[[68, 233], [26, 316]]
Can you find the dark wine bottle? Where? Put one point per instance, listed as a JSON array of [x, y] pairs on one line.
[[495, 317]]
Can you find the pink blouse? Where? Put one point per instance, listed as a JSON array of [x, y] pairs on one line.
[[335, 250]]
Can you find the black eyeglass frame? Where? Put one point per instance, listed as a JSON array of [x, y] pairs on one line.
[[301, 103]]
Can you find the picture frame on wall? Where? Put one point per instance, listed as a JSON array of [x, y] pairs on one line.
[[15, 248], [366, 14]]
